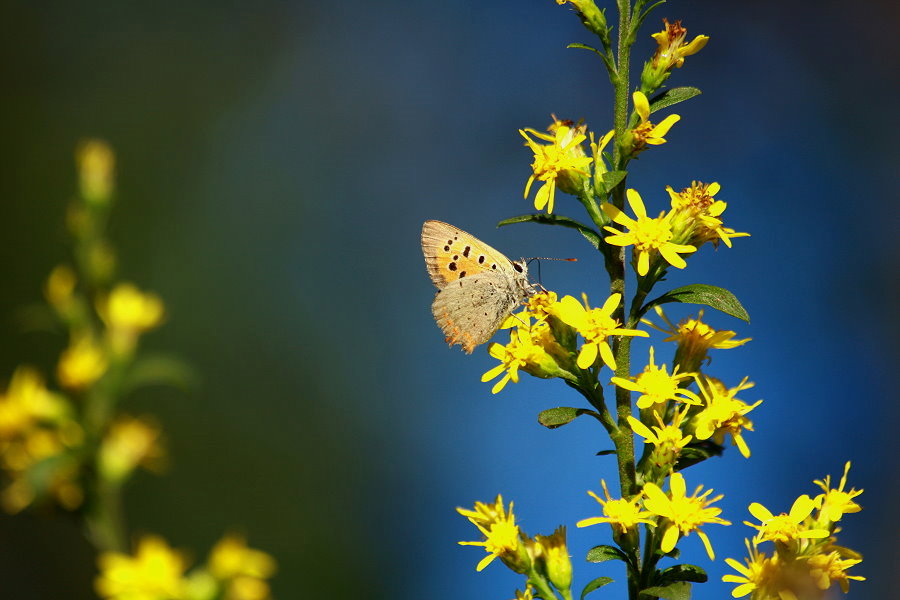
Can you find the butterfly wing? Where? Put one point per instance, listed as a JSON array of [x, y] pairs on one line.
[[452, 254], [469, 310]]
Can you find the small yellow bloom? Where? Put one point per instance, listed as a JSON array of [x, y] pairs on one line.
[[694, 338], [523, 351], [621, 514], [785, 527], [724, 413], [555, 555], [130, 442], [595, 325], [96, 169], [499, 529], [762, 576], [646, 133], [231, 558], [649, 236], [685, 514], [696, 219], [128, 312], [528, 594], [671, 48], [81, 364], [669, 440], [826, 569], [656, 386], [27, 402], [835, 503], [155, 572], [561, 164], [60, 287]]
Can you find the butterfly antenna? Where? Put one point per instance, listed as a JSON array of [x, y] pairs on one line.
[[540, 258]]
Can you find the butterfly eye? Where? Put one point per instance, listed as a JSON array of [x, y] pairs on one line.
[[517, 267]]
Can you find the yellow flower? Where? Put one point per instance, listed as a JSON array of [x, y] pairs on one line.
[[561, 164], [96, 169], [621, 514], [835, 503], [724, 413], [671, 48], [762, 576], [825, 569], [81, 364], [155, 572], [696, 215], [130, 441], [649, 236], [646, 133], [785, 527], [27, 402], [128, 312], [695, 339], [685, 514], [595, 325], [668, 439], [499, 529], [524, 351], [538, 305], [231, 558], [555, 555], [656, 386], [528, 594], [60, 287]]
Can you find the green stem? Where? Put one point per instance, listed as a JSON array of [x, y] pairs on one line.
[[105, 519], [623, 439], [540, 584]]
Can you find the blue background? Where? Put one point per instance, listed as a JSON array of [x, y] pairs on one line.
[[276, 163]]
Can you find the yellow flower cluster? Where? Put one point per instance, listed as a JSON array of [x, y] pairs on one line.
[[806, 561], [548, 346], [544, 558], [158, 572]]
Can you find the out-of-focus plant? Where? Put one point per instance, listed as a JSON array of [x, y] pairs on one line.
[[73, 445], [793, 555]]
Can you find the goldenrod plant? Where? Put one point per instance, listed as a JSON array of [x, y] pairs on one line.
[[74, 446], [664, 412]]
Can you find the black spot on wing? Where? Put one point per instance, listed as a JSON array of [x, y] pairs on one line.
[[452, 266]]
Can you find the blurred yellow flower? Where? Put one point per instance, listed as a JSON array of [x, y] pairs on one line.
[[128, 312], [60, 287], [231, 558], [835, 503], [155, 572], [81, 364], [96, 169], [130, 442]]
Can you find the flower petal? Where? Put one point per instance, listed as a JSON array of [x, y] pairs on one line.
[[641, 105]]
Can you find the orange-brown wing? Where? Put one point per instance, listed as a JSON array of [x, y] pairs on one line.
[[451, 254]]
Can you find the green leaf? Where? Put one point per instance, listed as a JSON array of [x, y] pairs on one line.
[[584, 47], [696, 452], [592, 236], [701, 293], [159, 370], [599, 554], [606, 452], [559, 416], [680, 590], [673, 96], [611, 179], [691, 573], [595, 585]]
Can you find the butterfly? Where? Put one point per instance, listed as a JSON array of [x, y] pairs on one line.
[[478, 287]]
